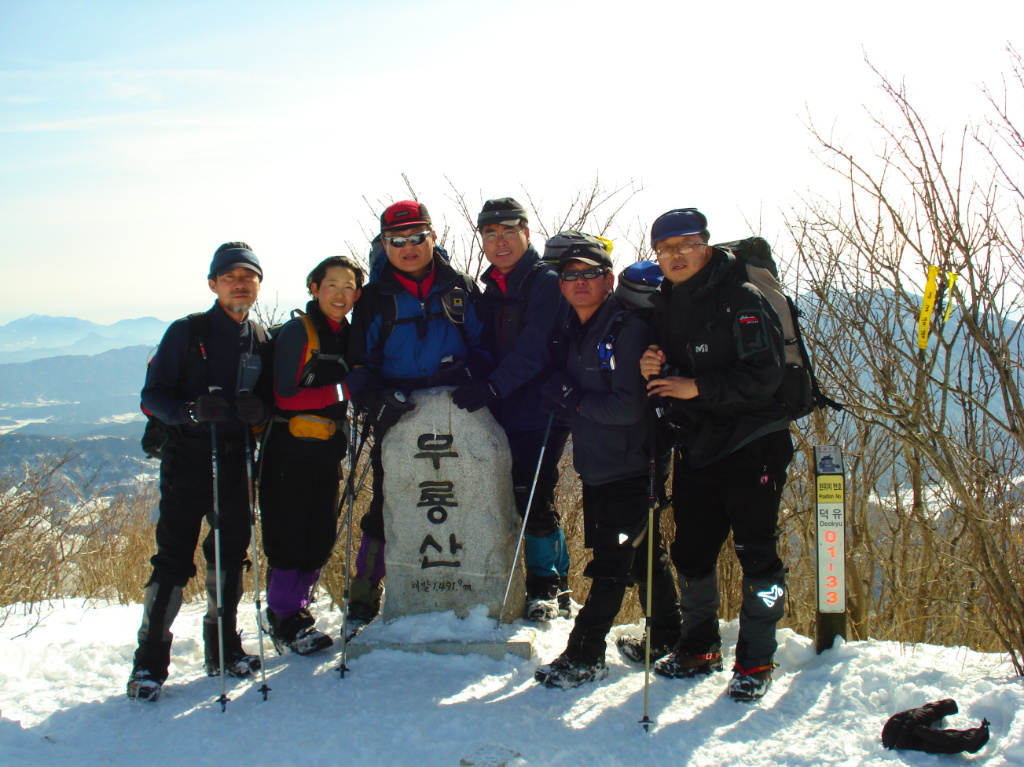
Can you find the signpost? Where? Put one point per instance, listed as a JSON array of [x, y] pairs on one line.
[[830, 495]]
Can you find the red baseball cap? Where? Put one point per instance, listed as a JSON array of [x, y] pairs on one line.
[[402, 214]]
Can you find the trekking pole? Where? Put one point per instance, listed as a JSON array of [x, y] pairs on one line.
[[342, 501], [348, 546], [526, 516], [651, 501], [249, 368], [223, 699]]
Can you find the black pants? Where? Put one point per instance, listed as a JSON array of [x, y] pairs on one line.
[[299, 493], [525, 447], [186, 496], [615, 520], [372, 522], [741, 492]]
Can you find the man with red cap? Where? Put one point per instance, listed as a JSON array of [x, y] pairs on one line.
[[415, 327]]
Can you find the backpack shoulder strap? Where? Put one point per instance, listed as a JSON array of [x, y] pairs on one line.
[[198, 332]]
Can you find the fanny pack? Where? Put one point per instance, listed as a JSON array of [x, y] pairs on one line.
[[311, 427]]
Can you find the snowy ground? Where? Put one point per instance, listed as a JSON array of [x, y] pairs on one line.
[[62, 703]]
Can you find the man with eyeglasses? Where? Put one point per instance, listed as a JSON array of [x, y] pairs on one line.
[[523, 307], [719, 360], [415, 327], [602, 394]]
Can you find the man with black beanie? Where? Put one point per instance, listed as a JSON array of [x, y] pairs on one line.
[[191, 387], [522, 308]]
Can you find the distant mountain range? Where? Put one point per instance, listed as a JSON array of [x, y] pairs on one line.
[[38, 336], [86, 401]]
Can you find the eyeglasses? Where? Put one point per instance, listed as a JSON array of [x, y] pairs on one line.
[[668, 251], [587, 274], [492, 236], [414, 239]]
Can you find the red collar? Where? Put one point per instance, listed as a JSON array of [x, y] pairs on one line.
[[415, 287], [501, 280]]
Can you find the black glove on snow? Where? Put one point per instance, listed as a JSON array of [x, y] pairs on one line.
[[912, 730], [210, 408], [388, 407], [250, 409], [560, 395], [476, 395]]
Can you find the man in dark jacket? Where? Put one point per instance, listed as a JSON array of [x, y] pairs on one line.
[[602, 394], [523, 308], [414, 328], [720, 361], [192, 389]]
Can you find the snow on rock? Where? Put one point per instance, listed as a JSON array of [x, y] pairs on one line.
[[63, 669]]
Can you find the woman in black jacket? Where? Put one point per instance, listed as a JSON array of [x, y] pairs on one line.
[[302, 457]]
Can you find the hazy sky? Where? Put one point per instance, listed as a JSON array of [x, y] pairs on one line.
[[135, 137]]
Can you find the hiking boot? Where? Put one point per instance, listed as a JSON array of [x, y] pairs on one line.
[[683, 665], [149, 670], [566, 673], [296, 633], [542, 610], [542, 601], [635, 648], [237, 662], [142, 685], [749, 685]]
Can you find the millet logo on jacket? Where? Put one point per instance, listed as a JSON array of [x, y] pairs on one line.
[[702, 348]]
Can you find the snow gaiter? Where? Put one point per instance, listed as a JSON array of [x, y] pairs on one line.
[[698, 602], [764, 604], [160, 607]]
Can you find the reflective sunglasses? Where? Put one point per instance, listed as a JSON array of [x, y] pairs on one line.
[[399, 242], [587, 274]]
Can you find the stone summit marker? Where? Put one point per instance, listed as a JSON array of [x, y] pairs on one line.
[[449, 512]]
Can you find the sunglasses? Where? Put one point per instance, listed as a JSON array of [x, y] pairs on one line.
[[399, 242], [587, 274]]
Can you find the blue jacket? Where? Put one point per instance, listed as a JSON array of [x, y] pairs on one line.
[[520, 324], [422, 333]]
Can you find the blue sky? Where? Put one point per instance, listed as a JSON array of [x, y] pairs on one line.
[[135, 137]]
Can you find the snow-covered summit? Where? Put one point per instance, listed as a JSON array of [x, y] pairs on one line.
[[62, 702]]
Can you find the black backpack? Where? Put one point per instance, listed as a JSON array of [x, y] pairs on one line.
[[799, 391]]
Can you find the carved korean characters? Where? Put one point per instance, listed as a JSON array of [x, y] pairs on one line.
[[449, 512]]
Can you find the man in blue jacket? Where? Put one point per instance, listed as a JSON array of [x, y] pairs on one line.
[[414, 328], [601, 393], [190, 386], [523, 308]]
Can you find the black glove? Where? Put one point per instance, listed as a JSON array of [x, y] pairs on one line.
[[476, 395], [250, 409], [560, 395], [912, 730], [452, 373], [387, 407], [209, 408], [357, 379]]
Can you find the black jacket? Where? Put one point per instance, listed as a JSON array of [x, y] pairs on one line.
[[611, 433], [520, 323], [718, 329], [225, 342]]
